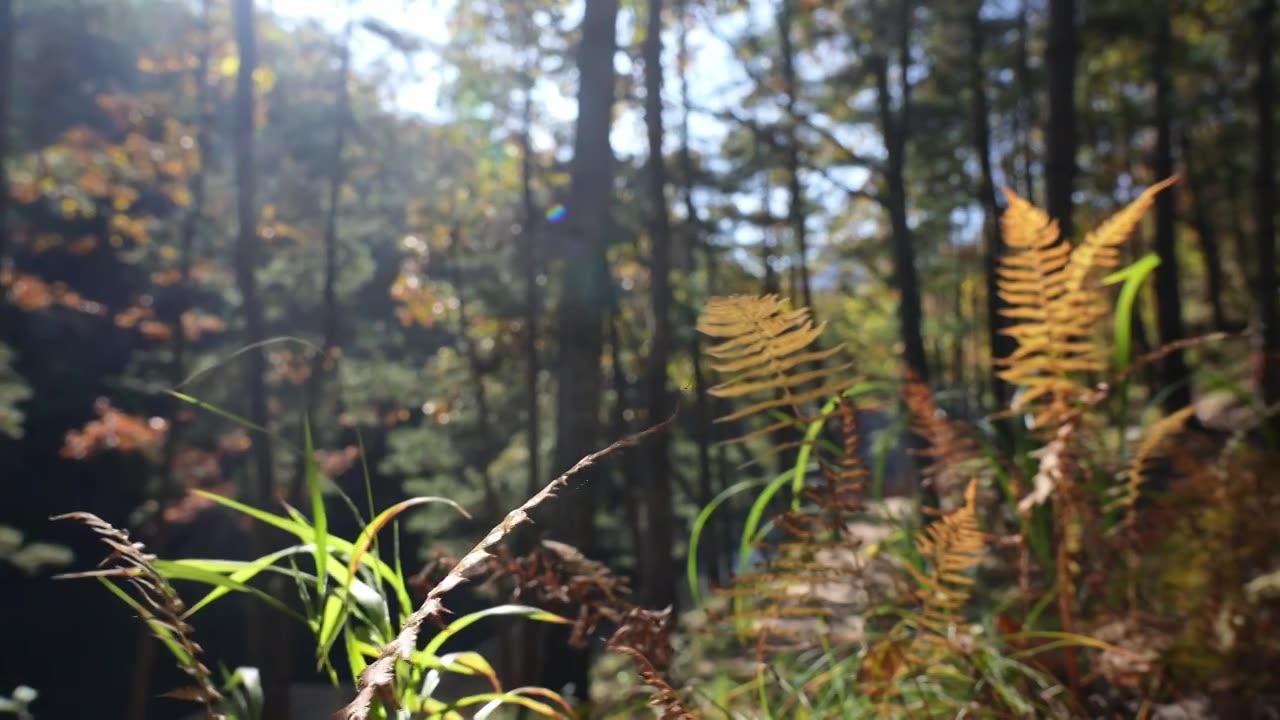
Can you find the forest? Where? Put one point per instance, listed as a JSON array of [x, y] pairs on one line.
[[639, 358]]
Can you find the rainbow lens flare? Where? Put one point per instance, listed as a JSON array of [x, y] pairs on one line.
[[556, 213]]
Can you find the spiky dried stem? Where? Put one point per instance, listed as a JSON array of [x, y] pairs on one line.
[[378, 676], [137, 566]]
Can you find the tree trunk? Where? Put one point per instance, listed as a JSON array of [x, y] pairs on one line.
[[6, 95], [583, 297], [1060, 62], [895, 126], [795, 191], [321, 363], [1207, 235], [267, 653], [531, 262], [1001, 345], [1264, 199], [1028, 112], [1175, 378], [657, 588], [703, 433], [520, 637]]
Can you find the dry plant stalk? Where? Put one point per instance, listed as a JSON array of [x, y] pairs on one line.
[[950, 444], [138, 568], [378, 676]]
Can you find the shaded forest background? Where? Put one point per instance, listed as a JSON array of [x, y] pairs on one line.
[[468, 246]]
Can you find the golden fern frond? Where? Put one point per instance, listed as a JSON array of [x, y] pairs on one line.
[[763, 344], [1156, 438], [1052, 296], [1100, 250], [952, 546]]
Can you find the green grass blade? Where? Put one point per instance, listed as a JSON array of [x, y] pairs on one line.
[[433, 647], [370, 533], [1133, 277], [303, 532], [699, 526], [233, 581], [815, 428], [158, 629], [319, 519], [183, 570]]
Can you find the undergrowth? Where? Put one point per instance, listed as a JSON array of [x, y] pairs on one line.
[[1081, 563]]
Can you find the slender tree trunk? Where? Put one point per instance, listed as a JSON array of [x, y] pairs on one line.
[[635, 508], [321, 363], [795, 190], [6, 96], [481, 457], [1060, 62], [532, 296], [1264, 191], [520, 637], [657, 587], [583, 296], [693, 232], [895, 127], [1001, 345], [1175, 378], [270, 656], [1207, 235], [1029, 111]]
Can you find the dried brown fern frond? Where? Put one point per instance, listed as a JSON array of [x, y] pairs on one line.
[[558, 576], [159, 604], [645, 637], [950, 444], [952, 546], [1054, 300], [1153, 441], [763, 346], [378, 677], [845, 478]]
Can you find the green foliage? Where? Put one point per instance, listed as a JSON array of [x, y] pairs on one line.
[[13, 392]]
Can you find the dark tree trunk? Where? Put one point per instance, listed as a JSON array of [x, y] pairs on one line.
[[1060, 63], [657, 587], [1028, 113], [532, 265], [1175, 378], [1264, 191], [795, 190], [1001, 345], [895, 126], [6, 96], [584, 294], [692, 241], [267, 653], [520, 637], [482, 453], [1207, 235], [321, 363]]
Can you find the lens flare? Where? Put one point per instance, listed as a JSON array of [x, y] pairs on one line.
[[556, 213]]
